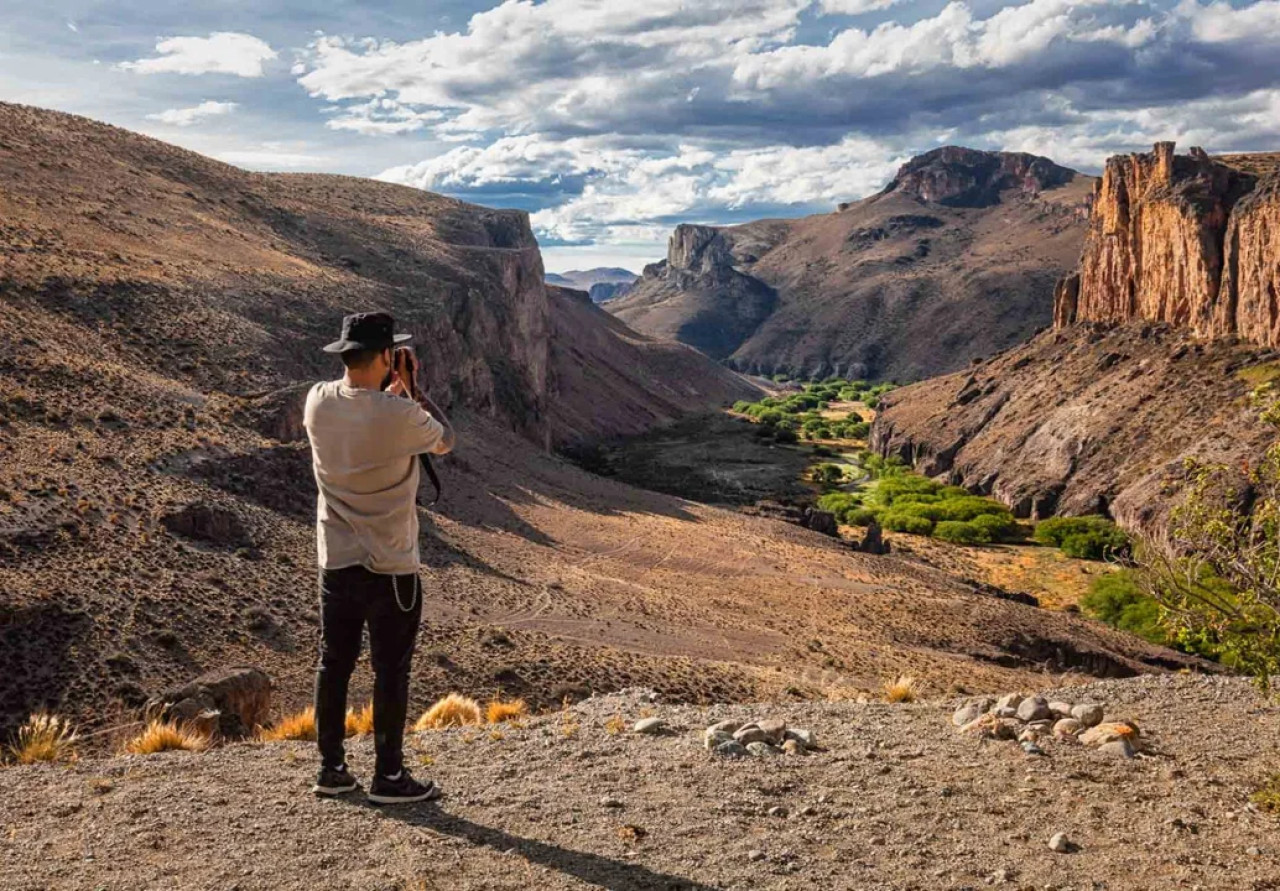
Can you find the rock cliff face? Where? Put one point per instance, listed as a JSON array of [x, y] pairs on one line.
[[1084, 420], [1182, 239], [955, 259], [964, 177]]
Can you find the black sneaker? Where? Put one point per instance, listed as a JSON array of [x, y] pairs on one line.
[[335, 781], [401, 790]]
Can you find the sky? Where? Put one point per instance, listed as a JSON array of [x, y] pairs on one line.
[[612, 120]]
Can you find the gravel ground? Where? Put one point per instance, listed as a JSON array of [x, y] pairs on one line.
[[897, 800]]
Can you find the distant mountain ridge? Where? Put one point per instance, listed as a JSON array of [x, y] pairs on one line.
[[602, 283], [956, 258]]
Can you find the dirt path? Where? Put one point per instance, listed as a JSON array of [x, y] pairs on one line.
[[897, 801]]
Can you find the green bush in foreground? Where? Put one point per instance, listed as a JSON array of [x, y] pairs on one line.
[[899, 521]]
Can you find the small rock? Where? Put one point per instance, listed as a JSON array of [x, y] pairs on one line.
[[713, 738], [774, 729], [778, 811], [610, 802], [792, 747], [1254, 851], [762, 750], [1009, 700], [755, 856], [729, 727], [1087, 713], [1004, 712], [1032, 749], [1109, 732], [1117, 748], [1067, 727], [1029, 735], [966, 714], [749, 733], [1034, 708], [649, 726], [731, 749], [1059, 843], [804, 737], [1061, 709]]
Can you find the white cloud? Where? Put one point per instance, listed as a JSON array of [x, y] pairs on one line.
[[185, 117], [274, 156], [1220, 22], [854, 7], [223, 52]]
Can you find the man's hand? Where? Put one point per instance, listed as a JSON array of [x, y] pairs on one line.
[[404, 374]]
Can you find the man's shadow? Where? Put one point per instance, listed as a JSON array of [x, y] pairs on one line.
[[615, 875]]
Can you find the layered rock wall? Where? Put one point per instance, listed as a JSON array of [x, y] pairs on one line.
[[1181, 239]]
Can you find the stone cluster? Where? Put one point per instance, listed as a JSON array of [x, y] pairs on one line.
[[1034, 720], [761, 739]]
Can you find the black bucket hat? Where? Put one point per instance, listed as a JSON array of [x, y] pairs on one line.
[[367, 331]]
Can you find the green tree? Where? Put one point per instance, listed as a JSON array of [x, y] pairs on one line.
[[1216, 570]]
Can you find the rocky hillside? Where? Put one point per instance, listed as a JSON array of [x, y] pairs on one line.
[[955, 259], [1082, 420], [1160, 335], [1183, 239]]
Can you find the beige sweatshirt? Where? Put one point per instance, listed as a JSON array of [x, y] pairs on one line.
[[364, 448]]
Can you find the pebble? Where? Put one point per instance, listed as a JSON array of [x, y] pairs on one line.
[[778, 811], [1059, 843], [1032, 749], [755, 855], [610, 802], [649, 726]]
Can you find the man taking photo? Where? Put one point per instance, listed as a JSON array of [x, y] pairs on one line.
[[367, 430]]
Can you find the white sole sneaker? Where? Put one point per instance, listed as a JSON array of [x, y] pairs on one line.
[[432, 793]]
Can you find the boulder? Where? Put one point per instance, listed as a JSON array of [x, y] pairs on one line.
[[763, 750], [240, 696], [774, 729], [801, 736], [729, 727], [1060, 709], [750, 733], [731, 749], [1009, 700], [1034, 708], [1118, 748], [713, 738], [1088, 713], [1067, 727], [970, 711]]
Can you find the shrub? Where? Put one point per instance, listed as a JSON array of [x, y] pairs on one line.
[[860, 516], [1267, 796], [785, 436], [167, 736], [1118, 600], [741, 406], [298, 726], [44, 737], [828, 473], [971, 506], [455, 710], [961, 533], [898, 521], [999, 527], [1091, 538], [499, 710]]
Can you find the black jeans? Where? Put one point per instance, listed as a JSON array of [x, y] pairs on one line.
[[349, 598]]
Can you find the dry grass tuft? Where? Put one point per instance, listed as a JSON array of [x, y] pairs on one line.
[[904, 689], [360, 723], [615, 725], [167, 736], [506, 710], [298, 726], [44, 737], [455, 710], [1267, 798]]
